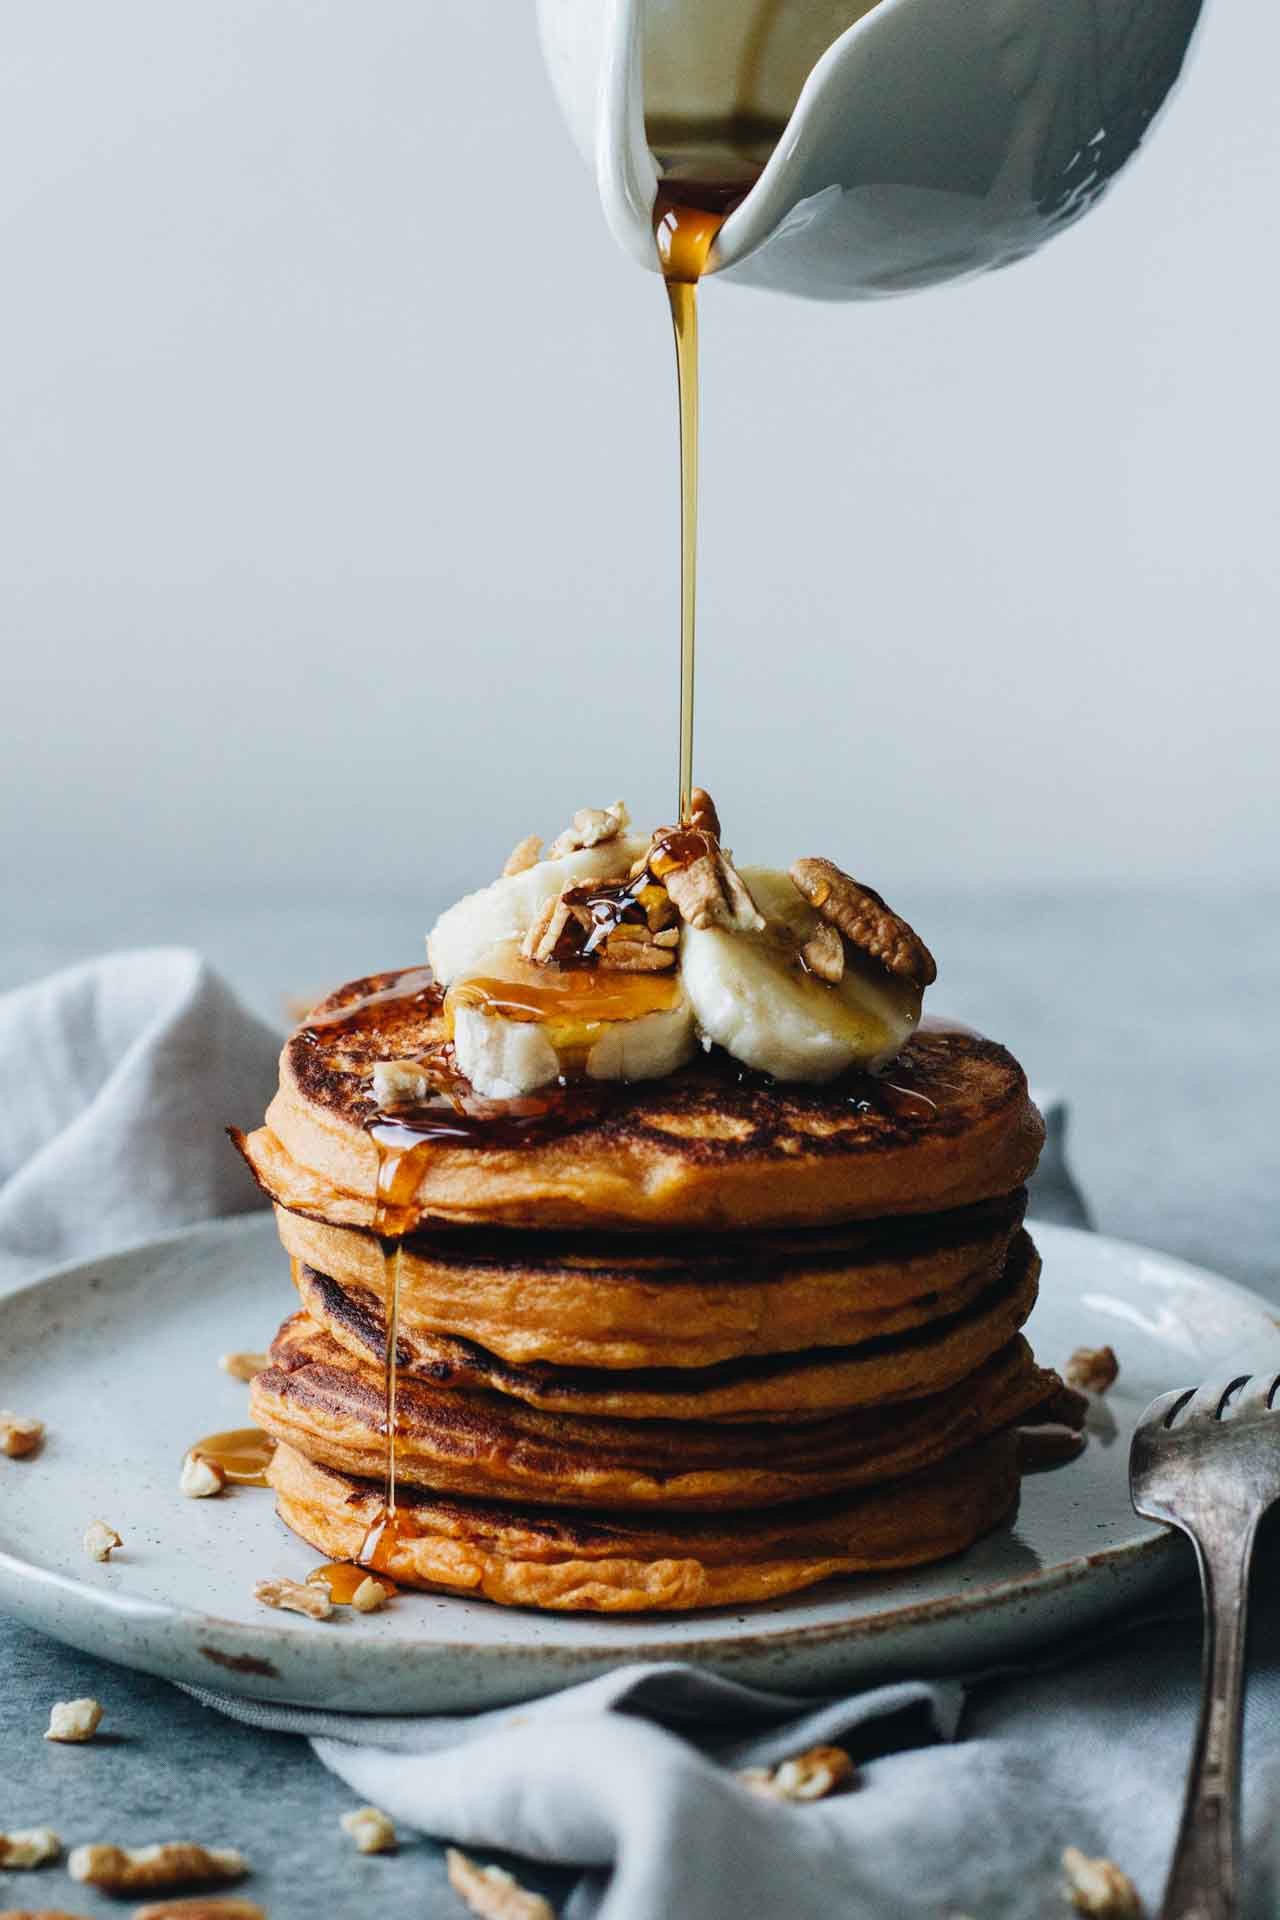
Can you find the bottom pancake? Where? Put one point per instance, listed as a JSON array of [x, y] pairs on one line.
[[533, 1557]]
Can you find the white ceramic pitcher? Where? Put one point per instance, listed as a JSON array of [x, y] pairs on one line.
[[924, 139]]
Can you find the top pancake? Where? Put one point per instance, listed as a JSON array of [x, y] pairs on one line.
[[711, 1147]]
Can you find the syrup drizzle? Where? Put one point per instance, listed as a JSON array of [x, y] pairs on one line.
[[242, 1453], [698, 190]]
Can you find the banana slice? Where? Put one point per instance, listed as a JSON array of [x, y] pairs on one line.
[[751, 996], [467, 936], [517, 1026]]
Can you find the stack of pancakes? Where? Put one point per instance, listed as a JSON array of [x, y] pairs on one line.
[[692, 1342]]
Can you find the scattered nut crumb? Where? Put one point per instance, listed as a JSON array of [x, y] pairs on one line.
[[168, 1863], [200, 1478], [243, 1366], [865, 920], [38, 1913], [1099, 1887], [492, 1892], [210, 1907], [525, 854], [29, 1847], [100, 1539], [292, 1596], [370, 1596], [19, 1434], [73, 1721], [1092, 1369], [370, 1828], [806, 1776]]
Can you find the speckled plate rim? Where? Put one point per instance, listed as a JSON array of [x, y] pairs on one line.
[[814, 1641]]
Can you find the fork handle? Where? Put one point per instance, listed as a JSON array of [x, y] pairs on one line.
[[1204, 1879]]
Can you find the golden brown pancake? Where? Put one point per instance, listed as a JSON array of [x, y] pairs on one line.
[[679, 1300], [710, 1147], [899, 1365], [531, 1557], [321, 1401]]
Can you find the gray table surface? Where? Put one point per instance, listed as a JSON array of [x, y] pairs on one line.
[[1155, 1014]]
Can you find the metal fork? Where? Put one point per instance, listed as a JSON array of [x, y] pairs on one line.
[[1207, 1461]]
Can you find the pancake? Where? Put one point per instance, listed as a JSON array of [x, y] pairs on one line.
[[318, 1399], [538, 1558], [679, 1300], [709, 1147], [963, 1333]]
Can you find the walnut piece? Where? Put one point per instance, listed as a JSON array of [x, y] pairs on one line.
[[823, 953], [208, 1907], [100, 1540], [370, 1595], [592, 827], [865, 921], [372, 1830], [168, 1863], [709, 892], [1092, 1369], [243, 1366], [29, 1847], [73, 1721], [200, 1478], [525, 854], [293, 1597], [634, 949], [1099, 1887], [19, 1434], [492, 1892], [806, 1776]]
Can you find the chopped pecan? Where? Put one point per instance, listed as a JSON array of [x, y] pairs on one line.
[[633, 949], [823, 953], [243, 1366], [370, 1596], [169, 1863], [806, 1776], [591, 827], [1099, 1887], [100, 1540], [200, 1479], [1092, 1369], [525, 854], [293, 1597], [19, 1434], [209, 1907], [864, 920], [72, 1722], [29, 1847], [702, 813], [545, 934], [492, 1893], [709, 892], [372, 1830]]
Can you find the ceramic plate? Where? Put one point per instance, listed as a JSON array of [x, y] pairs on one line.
[[119, 1358]]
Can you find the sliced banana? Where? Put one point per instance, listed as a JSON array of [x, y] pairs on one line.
[[517, 1026], [750, 995], [466, 937]]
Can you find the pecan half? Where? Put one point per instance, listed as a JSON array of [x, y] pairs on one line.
[[865, 920]]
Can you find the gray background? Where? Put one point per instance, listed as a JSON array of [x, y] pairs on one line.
[[338, 518]]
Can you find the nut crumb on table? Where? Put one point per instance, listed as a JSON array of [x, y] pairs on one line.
[[492, 1893], [206, 1907], [243, 1366], [1099, 1887], [155, 1868], [72, 1722], [1092, 1369], [29, 1847], [200, 1479], [372, 1830], [812, 1775], [293, 1596]]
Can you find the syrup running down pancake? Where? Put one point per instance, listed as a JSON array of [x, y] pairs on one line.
[[710, 1148]]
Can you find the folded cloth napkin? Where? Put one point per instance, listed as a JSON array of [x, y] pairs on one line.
[[126, 1069], [119, 1078]]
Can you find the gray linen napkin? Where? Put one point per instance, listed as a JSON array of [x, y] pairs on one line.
[[126, 1069]]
